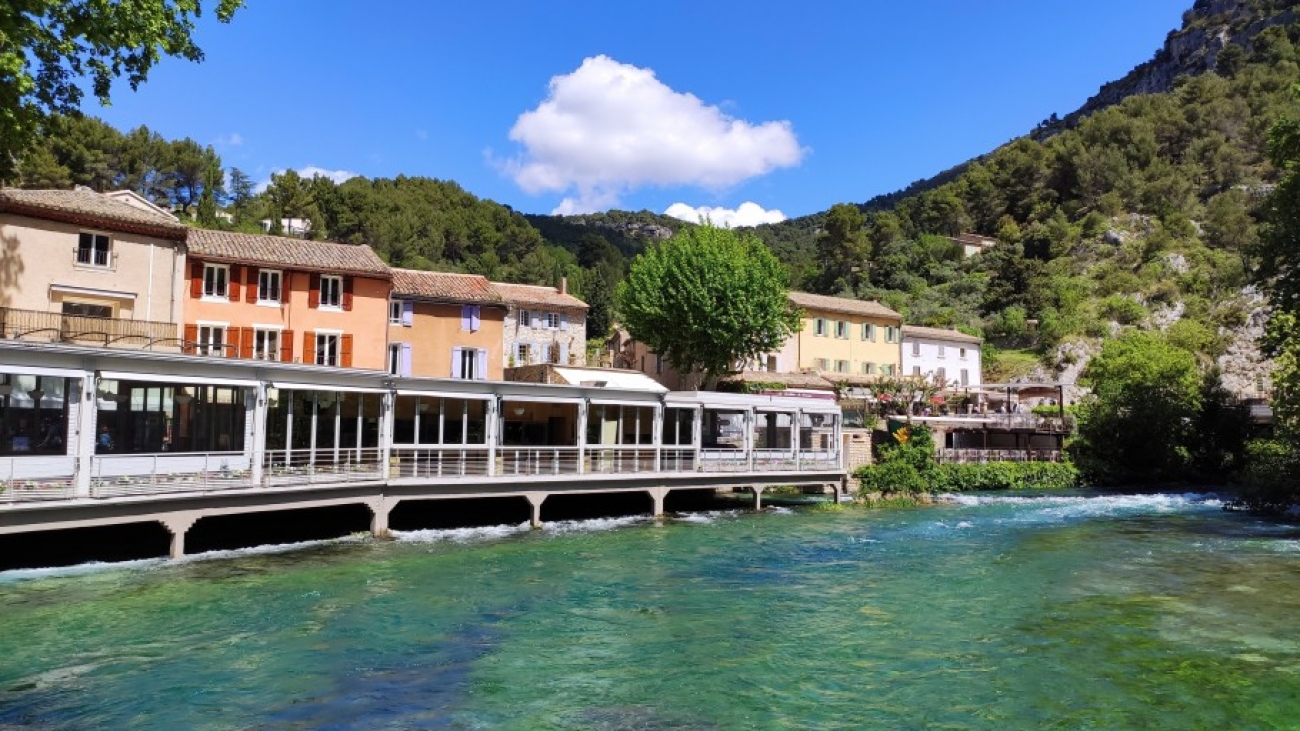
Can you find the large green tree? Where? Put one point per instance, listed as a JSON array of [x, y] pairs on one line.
[[1137, 424], [707, 299], [49, 47]]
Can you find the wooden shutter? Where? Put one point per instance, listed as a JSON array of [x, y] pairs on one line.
[[347, 294], [313, 296], [309, 347], [286, 346], [246, 343], [236, 277], [196, 279], [345, 351], [466, 324], [475, 319], [230, 346], [250, 290], [191, 336], [456, 363], [404, 360], [408, 313], [480, 365]]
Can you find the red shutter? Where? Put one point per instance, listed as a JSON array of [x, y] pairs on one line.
[[250, 290], [236, 278], [246, 343], [347, 294], [286, 346], [231, 346], [345, 350], [196, 279], [191, 336], [309, 347], [313, 297]]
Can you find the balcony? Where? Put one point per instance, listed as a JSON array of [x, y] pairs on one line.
[[107, 331]]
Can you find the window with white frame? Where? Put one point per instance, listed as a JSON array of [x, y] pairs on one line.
[[327, 346], [820, 327], [212, 338], [266, 344], [524, 353], [268, 286], [395, 312], [216, 281], [891, 334], [94, 250], [916, 349], [525, 318], [868, 332], [842, 329], [331, 291], [941, 355], [469, 364], [551, 320]]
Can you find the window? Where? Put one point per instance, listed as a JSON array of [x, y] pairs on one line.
[[85, 309], [841, 366], [268, 286], [822, 364], [394, 358], [327, 344], [551, 320], [842, 329], [868, 369], [965, 377], [820, 327], [868, 332], [212, 338], [916, 370], [216, 281], [941, 351], [94, 250], [941, 376], [526, 352], [525, 318], [266, 344], [331, 293], [394, 312], [470, 319], [771, 364], [887, 369], [469, 364], [659, 364], [916, 348], [891, 334]]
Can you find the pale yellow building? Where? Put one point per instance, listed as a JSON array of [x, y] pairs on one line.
[[841, 336], [76, 265]]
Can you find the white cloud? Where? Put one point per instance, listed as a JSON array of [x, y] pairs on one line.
[[234, 139], [747, 214], [309, 172], [608, 128]]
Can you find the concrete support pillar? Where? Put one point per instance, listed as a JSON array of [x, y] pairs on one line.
[[178, 524], [379, 510], [758, 497], [535, 499], [658, 494], [84, 444]]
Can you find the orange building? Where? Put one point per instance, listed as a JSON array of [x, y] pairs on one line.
[[445, 325], [285, 299]]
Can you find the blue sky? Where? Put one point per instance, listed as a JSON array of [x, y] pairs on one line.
[[577, 105]]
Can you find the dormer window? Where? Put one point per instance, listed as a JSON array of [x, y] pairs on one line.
[[94, 249]]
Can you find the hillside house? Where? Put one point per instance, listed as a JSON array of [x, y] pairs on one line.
[[445, 325]]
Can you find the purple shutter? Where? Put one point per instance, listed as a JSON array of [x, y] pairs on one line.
[[404, 360], [564, 321], [475, 321], [480, 365], [456, 363], [408, 313], [466, 321]]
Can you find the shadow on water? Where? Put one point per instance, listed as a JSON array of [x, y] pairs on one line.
[[129, 542]]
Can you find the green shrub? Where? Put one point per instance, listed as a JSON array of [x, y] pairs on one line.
[[1004, 476], [896, 476]]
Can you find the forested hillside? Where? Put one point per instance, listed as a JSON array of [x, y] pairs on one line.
[[1144, 213]]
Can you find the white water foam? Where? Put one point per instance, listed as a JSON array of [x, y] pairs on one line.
[[1065, 506], [270, 549], [705, 518], [594, 525], [81, 569], [460, 535]]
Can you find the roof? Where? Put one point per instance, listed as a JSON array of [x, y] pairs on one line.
[[609, 378], [281, 251], [444, 287], [870, 308], [789, 380], [84, 206], [528, 294], [935, 333]]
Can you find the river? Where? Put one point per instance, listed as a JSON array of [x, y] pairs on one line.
[[1046, 612]]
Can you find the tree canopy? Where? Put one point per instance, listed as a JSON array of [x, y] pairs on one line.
[[50, 46], [707, 299]]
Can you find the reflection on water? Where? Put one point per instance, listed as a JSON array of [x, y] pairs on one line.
[[1115, 612]]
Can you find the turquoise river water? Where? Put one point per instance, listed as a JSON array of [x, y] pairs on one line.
[[1065, 612]]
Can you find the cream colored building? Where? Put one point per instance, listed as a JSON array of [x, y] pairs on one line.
[[842, 337], [80, 266]]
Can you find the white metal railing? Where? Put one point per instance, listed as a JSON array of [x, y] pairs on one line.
[[968, 456], [136, 474], [723, 460], [25, 479], [537, 461], [283, 467], [677, 459], [443, 461], [619, 459]]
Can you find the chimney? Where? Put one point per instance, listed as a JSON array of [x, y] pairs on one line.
[[564, 285]]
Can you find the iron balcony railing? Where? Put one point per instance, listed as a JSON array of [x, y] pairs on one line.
[[320, 466], [967, 456], [18, 324]]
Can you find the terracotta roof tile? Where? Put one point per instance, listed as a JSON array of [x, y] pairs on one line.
[[843, 305], [445, 286], [789, 380], [939, 334], [85, 206], [527, 294], [281, 251]]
